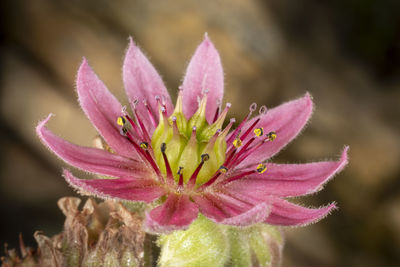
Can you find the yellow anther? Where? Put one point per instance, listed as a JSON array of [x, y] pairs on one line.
[[271, 136], [259, 131], [237, 142], [261, 168], [121, 121], [144, 145], [223, 169]]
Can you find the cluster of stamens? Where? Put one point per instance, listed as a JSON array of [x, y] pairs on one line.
[[193, 153]]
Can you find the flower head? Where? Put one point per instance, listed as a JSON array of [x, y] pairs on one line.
[[183, 158]]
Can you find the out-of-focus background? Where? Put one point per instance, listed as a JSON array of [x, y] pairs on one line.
[[345, 53]]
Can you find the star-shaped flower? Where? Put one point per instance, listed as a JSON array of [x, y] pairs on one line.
[[182, 158]]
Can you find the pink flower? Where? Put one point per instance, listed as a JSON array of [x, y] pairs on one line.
[[182, 159]]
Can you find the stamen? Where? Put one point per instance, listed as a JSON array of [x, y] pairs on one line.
[[231, 154], [262, 110], [144, 145], [150, 114], [123, 131], [167, 166], [249, 129], [223, 169], [271, 136], [237, 177], [144, 153], [237, 142], [142, 127], [131, 123], [163, 100], [161, 107], [216, 114], [252, 108], [121, 121], [241, 152], [261, 168], [259, 131], [163, 147], [135, 102], [244, 155], [211, 181], [180, 182], [205, 157], [192, 180]]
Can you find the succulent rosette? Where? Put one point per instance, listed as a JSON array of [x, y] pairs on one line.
[[183, 159]]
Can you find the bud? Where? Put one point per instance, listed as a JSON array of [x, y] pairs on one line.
[[259, 245], [203, 244], [206, 243]]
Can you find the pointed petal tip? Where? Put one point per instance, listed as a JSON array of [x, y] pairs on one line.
[[323, 212], [309, 100], [131, 44], [332, 206], [344, 159], [320, 213], [345, 151], [84, 64], [256, 214], [207, 41], [84, 69], [45, 120], [132, 51], [41, 125]]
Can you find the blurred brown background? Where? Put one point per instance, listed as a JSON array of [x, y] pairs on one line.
[[345, 53]]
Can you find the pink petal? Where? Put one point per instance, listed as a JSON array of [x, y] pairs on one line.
[[177, 212], [103, 109], [90, 159], [288, 180], [225, 209], [142, 82], [204, 72], [256, 214], [286, 120], [289, 214], [146, 190]]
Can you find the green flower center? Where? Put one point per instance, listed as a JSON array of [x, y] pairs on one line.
[[185, 144]]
